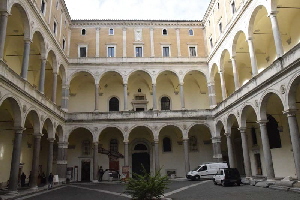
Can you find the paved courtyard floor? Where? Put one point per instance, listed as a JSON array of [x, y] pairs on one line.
[[178, 190]]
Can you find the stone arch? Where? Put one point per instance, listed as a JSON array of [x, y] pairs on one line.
[[143, 125], [219, 126], [60, 133], [79, 127], [204, 124], [111, 70], [49, 124], [252, 18], [229, 122], [168, 70], [244, 111], [16, 108], [199, 70], [234, 43], [41, 38], [36, 119], [263, 103], [75, 73], [111, 126], [175, 125], [292, 90]]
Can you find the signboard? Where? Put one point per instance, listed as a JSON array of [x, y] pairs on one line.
[[55, 179]]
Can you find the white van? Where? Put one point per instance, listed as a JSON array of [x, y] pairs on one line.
[[206, 170]]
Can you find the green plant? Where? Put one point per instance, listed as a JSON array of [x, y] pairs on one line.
[[145, 187]]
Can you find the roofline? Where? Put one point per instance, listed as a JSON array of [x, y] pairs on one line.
[[133, 20], [209, 8]]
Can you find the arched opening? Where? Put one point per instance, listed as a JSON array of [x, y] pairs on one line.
[[196, 91], [165, 103], [167, 145], [114, 104], [227, 68], [215, 77], [224, 149], [140, 159], [51, 64]]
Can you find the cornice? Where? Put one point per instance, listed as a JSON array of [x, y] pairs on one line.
[[210, 7]]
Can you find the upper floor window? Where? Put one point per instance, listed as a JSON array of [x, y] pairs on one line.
[[165, 103], [82, 51], [254, 137], [57, 4], [167, 147], [111, 51], [164, 32], [220, 27], [233, 7], [193, 144], [64, 44], [218, 5], [191, 32], [114, 104], [86, 147], [43, 7], [138, 52], [211, 43], [111, 31], [166, 51], [54, 27], [83, 32], [192, 51], [113, 146]]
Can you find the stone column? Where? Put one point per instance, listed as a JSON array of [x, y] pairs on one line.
[[97, 42], [95, 162], [42, 75], [252, 57], [235, 74], [25, 59], [3, 25], [216, 142], [96, 98], [54, 89], [156, 155], [212, 94], [294, 133], [124, 43], [152, 42], [35, 160], [15, 160], [230, 150], [178, 42], [224, 93], [154, 97], [50, 157], [126, 162], [186, 155], [266, 149], [125, 97], [182, 96], [246, 156], [65, 97], [276, 34], [62, 161]]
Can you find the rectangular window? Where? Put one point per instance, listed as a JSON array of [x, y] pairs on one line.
[[233, 7], [192, 51], [82, 52], [64, 44], [211, 43], [54, 27], [110, 51], [111, 31], [138, 52], [43, 6], [220, 27], [166, 52]]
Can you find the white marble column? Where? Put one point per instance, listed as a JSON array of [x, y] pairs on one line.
[[25, 59], [223, 86], [252, 57], [246, 156], [125, 97], [124, 43], [235, 74], [266, 149], [97, 42], [230, 150], [15, 160], [42, 75], [126, 157], [35, 160], [156, 155], [96, 98], [294, 133], [54, 89], [154, 97], [50, 157], [212, 94], [216, 142], [182, 96], [186, 155], [3, 25], [276, 34], [95, 162], [178, 42], [152, 42]]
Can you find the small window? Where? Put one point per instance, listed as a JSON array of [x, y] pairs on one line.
[[55, 27], [57, 5], [113, 146], [83, 32], [193, 145], [43, 6], [233, 7], [86, 147], [63, 44], [114, 104], [166, 52], [110, 51], [82, 52], [138, 52], [164, 32], [211, 43], [192, 51], [167, 144], [111, 31], [220, 27], [254, 137], [191, 32], [165, 103], [218, 5]]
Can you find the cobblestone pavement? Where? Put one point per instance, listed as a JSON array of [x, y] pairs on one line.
[[178, 190]]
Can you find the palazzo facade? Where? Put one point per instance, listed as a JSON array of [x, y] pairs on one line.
[[168, 94]]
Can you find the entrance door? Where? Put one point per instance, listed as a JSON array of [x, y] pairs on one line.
[[85, 171], [258, 164], [139, 159]]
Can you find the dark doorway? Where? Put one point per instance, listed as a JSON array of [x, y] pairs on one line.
[[85, 171], [139, 159], [258, 164]]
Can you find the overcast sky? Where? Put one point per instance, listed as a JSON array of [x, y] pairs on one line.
[[137, 9]]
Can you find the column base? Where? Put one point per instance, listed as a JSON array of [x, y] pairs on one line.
[[35, 188], [13, 193], [95, 181]]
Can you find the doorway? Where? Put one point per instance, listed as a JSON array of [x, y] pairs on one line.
[[258, 164], [85, 171], [140, 159]]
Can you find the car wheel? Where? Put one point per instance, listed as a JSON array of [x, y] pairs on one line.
[[215, 182], [197, 178], [223, 184]]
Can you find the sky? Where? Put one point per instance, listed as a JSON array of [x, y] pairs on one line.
[[137, 9]]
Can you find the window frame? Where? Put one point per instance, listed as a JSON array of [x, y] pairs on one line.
[[162, 51], [190, 32], [113, 31], [161, 102], [233, 7], [63, 43], [162, 32], [55, 27], [84, 31], [190, 146], [196, 51], [86, 50], [163, 144], [211, 42], [115, 50], [220, 25], [43, 11], [109, 104], [135, 53]]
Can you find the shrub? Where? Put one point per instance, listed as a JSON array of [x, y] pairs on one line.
[[146, 187]]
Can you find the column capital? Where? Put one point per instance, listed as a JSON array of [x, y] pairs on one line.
[[290, 112], [228, 135], [156, 141], [216, 139], [4, 13], [273, 14], [233, 58], [95, 143], [63, 145], [126, 142], [153, 84], [262, 122], [37, 135], [19, 130], [181, 83], [27, 40], [51, 140], [249, 39], [124, 84], [185, 139], [242, 129]]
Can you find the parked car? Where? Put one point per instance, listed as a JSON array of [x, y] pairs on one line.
[[227, 176], [206, 170]]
